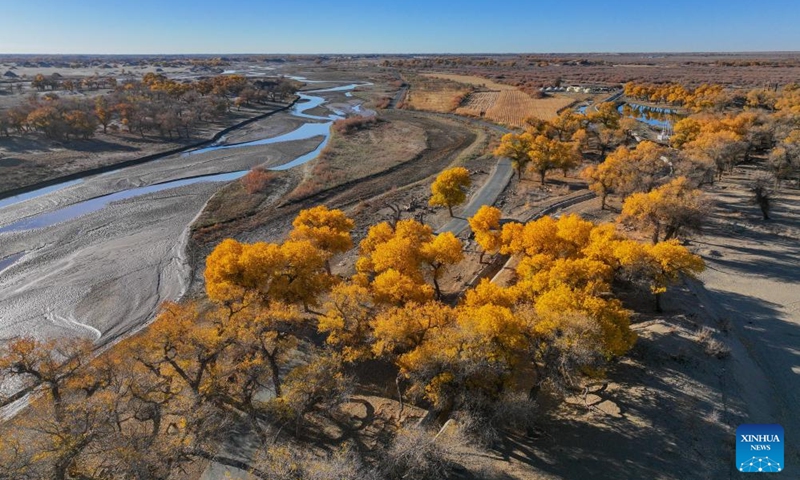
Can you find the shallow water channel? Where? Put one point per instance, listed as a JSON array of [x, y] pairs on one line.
[[653, 116], [308, 130]]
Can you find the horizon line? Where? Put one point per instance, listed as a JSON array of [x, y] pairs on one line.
[[653, 52]]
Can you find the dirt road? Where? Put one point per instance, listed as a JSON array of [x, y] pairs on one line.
[[752, 285]]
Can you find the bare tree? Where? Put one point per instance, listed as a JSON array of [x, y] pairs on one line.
[[763, 194]]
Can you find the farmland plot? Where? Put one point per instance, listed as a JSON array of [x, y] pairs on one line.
[[512, 107], [478, 103]]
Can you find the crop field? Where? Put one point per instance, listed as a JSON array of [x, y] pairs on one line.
[[494, 101], [478, 103], [513, 107]]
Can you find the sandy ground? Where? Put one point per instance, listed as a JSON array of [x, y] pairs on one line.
[[107, 271], [30, 159], [752, 286], [670, 408]]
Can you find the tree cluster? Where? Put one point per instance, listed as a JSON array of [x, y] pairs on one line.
[[251, 353], [704, 97], [626, 171], [154, 104], [544, 146]]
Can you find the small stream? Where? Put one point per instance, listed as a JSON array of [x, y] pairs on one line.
[[37, 193], [308, 130], [10, 260], [653, 116]]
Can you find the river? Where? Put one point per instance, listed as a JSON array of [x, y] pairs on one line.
[[99, 254], [653, 116]]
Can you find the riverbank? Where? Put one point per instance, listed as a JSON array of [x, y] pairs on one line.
[[109, 268], [32, 163]]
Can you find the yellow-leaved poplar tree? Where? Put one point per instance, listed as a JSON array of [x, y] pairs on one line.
[[449, 188], [485, 224]]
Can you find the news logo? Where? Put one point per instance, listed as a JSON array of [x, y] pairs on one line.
[[759, 448]]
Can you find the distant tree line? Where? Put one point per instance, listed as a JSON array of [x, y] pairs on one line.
[[154, 105]]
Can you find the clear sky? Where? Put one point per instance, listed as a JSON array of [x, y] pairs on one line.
[[399, 26]]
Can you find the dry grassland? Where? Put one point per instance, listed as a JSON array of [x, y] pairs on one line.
[[361, 154], [472, 80], [502, 103], [435, 95]]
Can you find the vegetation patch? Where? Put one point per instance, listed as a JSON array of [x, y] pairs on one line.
[[501, 103], [362, 153], [347, 126], [435, 94]]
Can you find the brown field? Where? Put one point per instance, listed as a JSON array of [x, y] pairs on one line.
[[494, 101], [362, 153], [478, 103], [471, 80], [513, 107], [434, 94]]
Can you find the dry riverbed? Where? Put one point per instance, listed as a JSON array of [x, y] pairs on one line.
[[107, 271]]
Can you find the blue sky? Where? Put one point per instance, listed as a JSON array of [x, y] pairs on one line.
[[410, 26]]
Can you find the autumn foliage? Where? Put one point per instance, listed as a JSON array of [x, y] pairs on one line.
[[257, 180], [667, 211], [626, 171], [250, 352], [485, 224], [350, 125], [449, 188]]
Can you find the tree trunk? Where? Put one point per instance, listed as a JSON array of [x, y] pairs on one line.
[[603, 201], [436, 287], [658, 303], [450, 209], [276, 375], [656, 234], [399, 397], [541, 176]]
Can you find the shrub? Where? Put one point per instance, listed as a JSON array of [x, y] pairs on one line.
[[257, 180], [415, 454], [482, 420], [347, 126]]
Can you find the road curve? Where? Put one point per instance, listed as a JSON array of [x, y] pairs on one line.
[[486, 195]]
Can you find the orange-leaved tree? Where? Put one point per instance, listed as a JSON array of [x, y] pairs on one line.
[[546, 154], [397, 262], [670, 209], [328, 230], [291, 272], [449, 188], [485, 224], [516, 147]]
